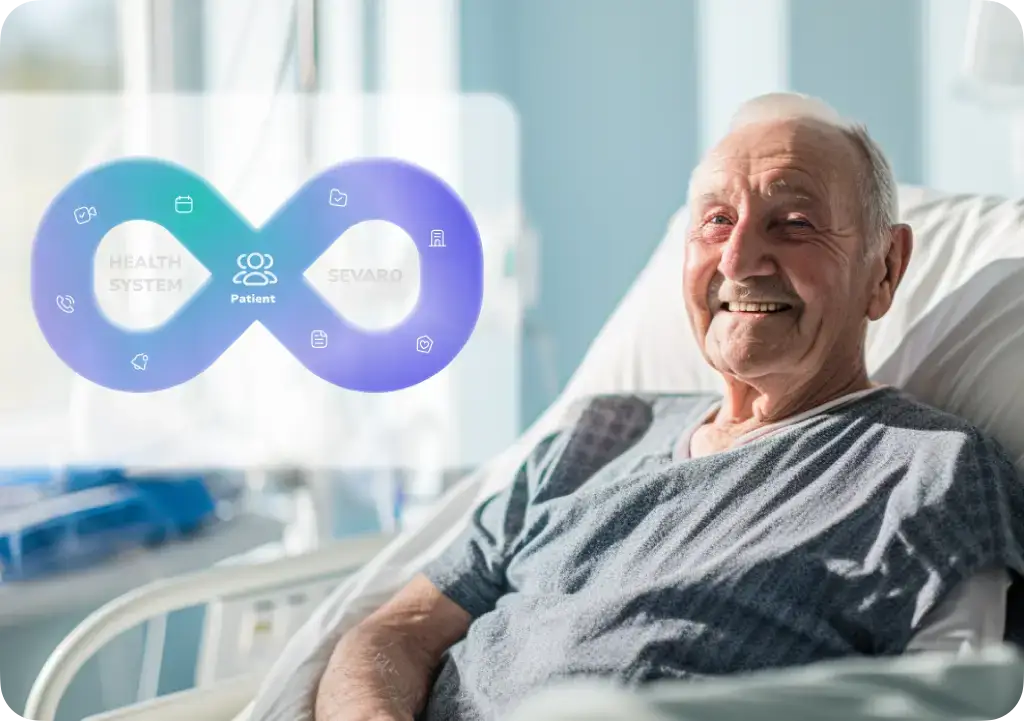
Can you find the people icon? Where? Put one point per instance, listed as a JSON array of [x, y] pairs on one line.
[[255, 270]]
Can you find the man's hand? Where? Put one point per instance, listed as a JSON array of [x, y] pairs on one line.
[[381, 669]]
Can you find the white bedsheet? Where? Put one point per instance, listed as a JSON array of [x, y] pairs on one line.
[[928, 687]]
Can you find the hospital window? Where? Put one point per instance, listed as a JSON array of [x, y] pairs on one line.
[[57, 46], [61, 45]]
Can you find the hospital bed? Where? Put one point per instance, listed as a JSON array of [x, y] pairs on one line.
[[955, 339]]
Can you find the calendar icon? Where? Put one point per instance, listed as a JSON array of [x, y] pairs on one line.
[[183, 204]]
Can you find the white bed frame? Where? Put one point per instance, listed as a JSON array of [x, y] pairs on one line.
[[221, 701]]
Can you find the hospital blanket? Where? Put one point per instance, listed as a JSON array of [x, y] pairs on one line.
[[926, 687]]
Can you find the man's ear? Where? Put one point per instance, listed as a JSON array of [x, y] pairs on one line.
[[896, 259]]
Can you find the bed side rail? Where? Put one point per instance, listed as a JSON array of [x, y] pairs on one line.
[[172, 594]]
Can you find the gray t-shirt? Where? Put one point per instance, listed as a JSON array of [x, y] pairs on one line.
[[608, 556]]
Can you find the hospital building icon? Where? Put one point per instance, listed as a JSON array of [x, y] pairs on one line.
[[437, 239]]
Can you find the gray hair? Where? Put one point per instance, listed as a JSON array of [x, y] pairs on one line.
[[876, 182]]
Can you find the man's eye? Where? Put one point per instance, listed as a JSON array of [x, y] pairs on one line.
[[719, 219], [798, 222]]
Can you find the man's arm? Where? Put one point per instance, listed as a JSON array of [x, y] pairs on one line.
[[381, 670]]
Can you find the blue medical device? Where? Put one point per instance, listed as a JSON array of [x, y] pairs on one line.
[[77, 518]]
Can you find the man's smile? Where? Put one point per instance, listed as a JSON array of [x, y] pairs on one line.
[[747, 308]]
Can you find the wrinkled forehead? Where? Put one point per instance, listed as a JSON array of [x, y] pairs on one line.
[[803, 160]]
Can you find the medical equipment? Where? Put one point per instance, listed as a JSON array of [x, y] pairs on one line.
[[953, 339], [993, 65], [992, 72], [993, 69], [78, 519]]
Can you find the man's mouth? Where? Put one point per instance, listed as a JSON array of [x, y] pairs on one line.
[[756, 307]]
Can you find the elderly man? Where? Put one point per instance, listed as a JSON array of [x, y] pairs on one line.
[[806, 515]]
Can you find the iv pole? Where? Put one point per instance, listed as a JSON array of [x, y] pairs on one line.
[[312, 511], [305, 46]]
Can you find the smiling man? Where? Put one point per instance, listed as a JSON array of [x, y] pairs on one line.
[[807, 514], [794, 247]]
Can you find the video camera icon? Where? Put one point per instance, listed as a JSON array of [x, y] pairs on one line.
[[84, 214]]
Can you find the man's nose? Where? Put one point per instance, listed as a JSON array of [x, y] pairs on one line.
[[746, 254]]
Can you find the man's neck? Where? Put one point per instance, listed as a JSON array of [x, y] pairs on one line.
[[746, 407]]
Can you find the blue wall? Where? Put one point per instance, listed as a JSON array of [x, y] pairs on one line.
[[606, 93], [865, 58]]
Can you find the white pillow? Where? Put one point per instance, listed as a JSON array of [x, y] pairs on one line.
[[955, 336]]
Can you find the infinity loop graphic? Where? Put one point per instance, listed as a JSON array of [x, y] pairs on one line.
[[451, 283]]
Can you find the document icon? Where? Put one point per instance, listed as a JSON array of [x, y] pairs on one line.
[[318, 339]]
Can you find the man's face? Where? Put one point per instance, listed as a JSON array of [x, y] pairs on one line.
[[775, 277]]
